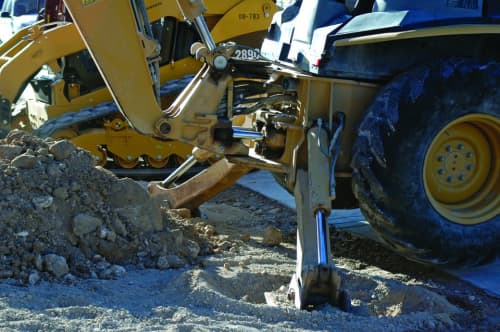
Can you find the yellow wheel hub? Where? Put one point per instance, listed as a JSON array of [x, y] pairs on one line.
[[462, 169]]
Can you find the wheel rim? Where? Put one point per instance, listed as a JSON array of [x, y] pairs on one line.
[[462, 169]]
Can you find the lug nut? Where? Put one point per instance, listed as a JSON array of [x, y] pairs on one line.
[[449, 179], [441, 171], [460, 146]]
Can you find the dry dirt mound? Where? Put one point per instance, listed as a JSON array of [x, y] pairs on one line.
[[61, 217]]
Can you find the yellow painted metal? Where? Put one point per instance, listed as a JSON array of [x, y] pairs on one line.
[[450, 30], [47, 46], [462, 169], [243, 18], [121, 58], [126, 163], [127, 144], [157, 163], [216, 178], [28, 54], [87, 140]]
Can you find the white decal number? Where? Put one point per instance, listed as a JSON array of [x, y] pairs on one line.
[[247, 54]]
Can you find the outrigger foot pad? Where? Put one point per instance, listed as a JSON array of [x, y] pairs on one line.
[[318, 285]]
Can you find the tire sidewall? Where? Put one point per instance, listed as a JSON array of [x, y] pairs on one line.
[[442, 100]]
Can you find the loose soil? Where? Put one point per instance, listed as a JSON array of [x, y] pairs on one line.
[[83, 250]]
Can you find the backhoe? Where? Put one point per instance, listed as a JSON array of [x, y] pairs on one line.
[[390, 104]]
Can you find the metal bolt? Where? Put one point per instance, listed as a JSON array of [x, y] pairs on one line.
[[440, 158], [469, 167], [97, 158], [468, 154], [461, 177], [158, 157], [165, 128], [129, 158], [460, 146], [448, 148], [449, 178], [441, 171]]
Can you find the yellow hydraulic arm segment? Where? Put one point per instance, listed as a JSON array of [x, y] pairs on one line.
[[125, 58]]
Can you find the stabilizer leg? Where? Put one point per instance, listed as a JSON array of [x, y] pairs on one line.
[[316, 279]]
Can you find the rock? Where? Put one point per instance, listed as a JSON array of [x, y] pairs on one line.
[[42, 202], [178, 237], [192, 248], [245, 237], [114, 271], [175, 261], [42, 151], [70, 279], [4, 274], [102, 265], [162, 263], [62, 149], [33, 278], [38, 262], [272, 236], [56, 265], [183, 213], [24, 161], [444, 318], [134, 204], [209, 230], [9, 152], [225, 245], [84, 224], [275, 211], [111, 236], [119, 227], [61, 193]]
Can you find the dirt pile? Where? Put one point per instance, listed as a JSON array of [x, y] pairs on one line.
[[63, 217]]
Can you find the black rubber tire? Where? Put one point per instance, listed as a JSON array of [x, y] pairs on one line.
[[389, 153]]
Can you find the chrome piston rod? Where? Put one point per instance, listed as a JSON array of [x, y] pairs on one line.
[[321, 224], [243, 133], [179, 171]]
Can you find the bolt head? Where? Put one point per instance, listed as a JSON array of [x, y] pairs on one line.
[[165, 128]]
